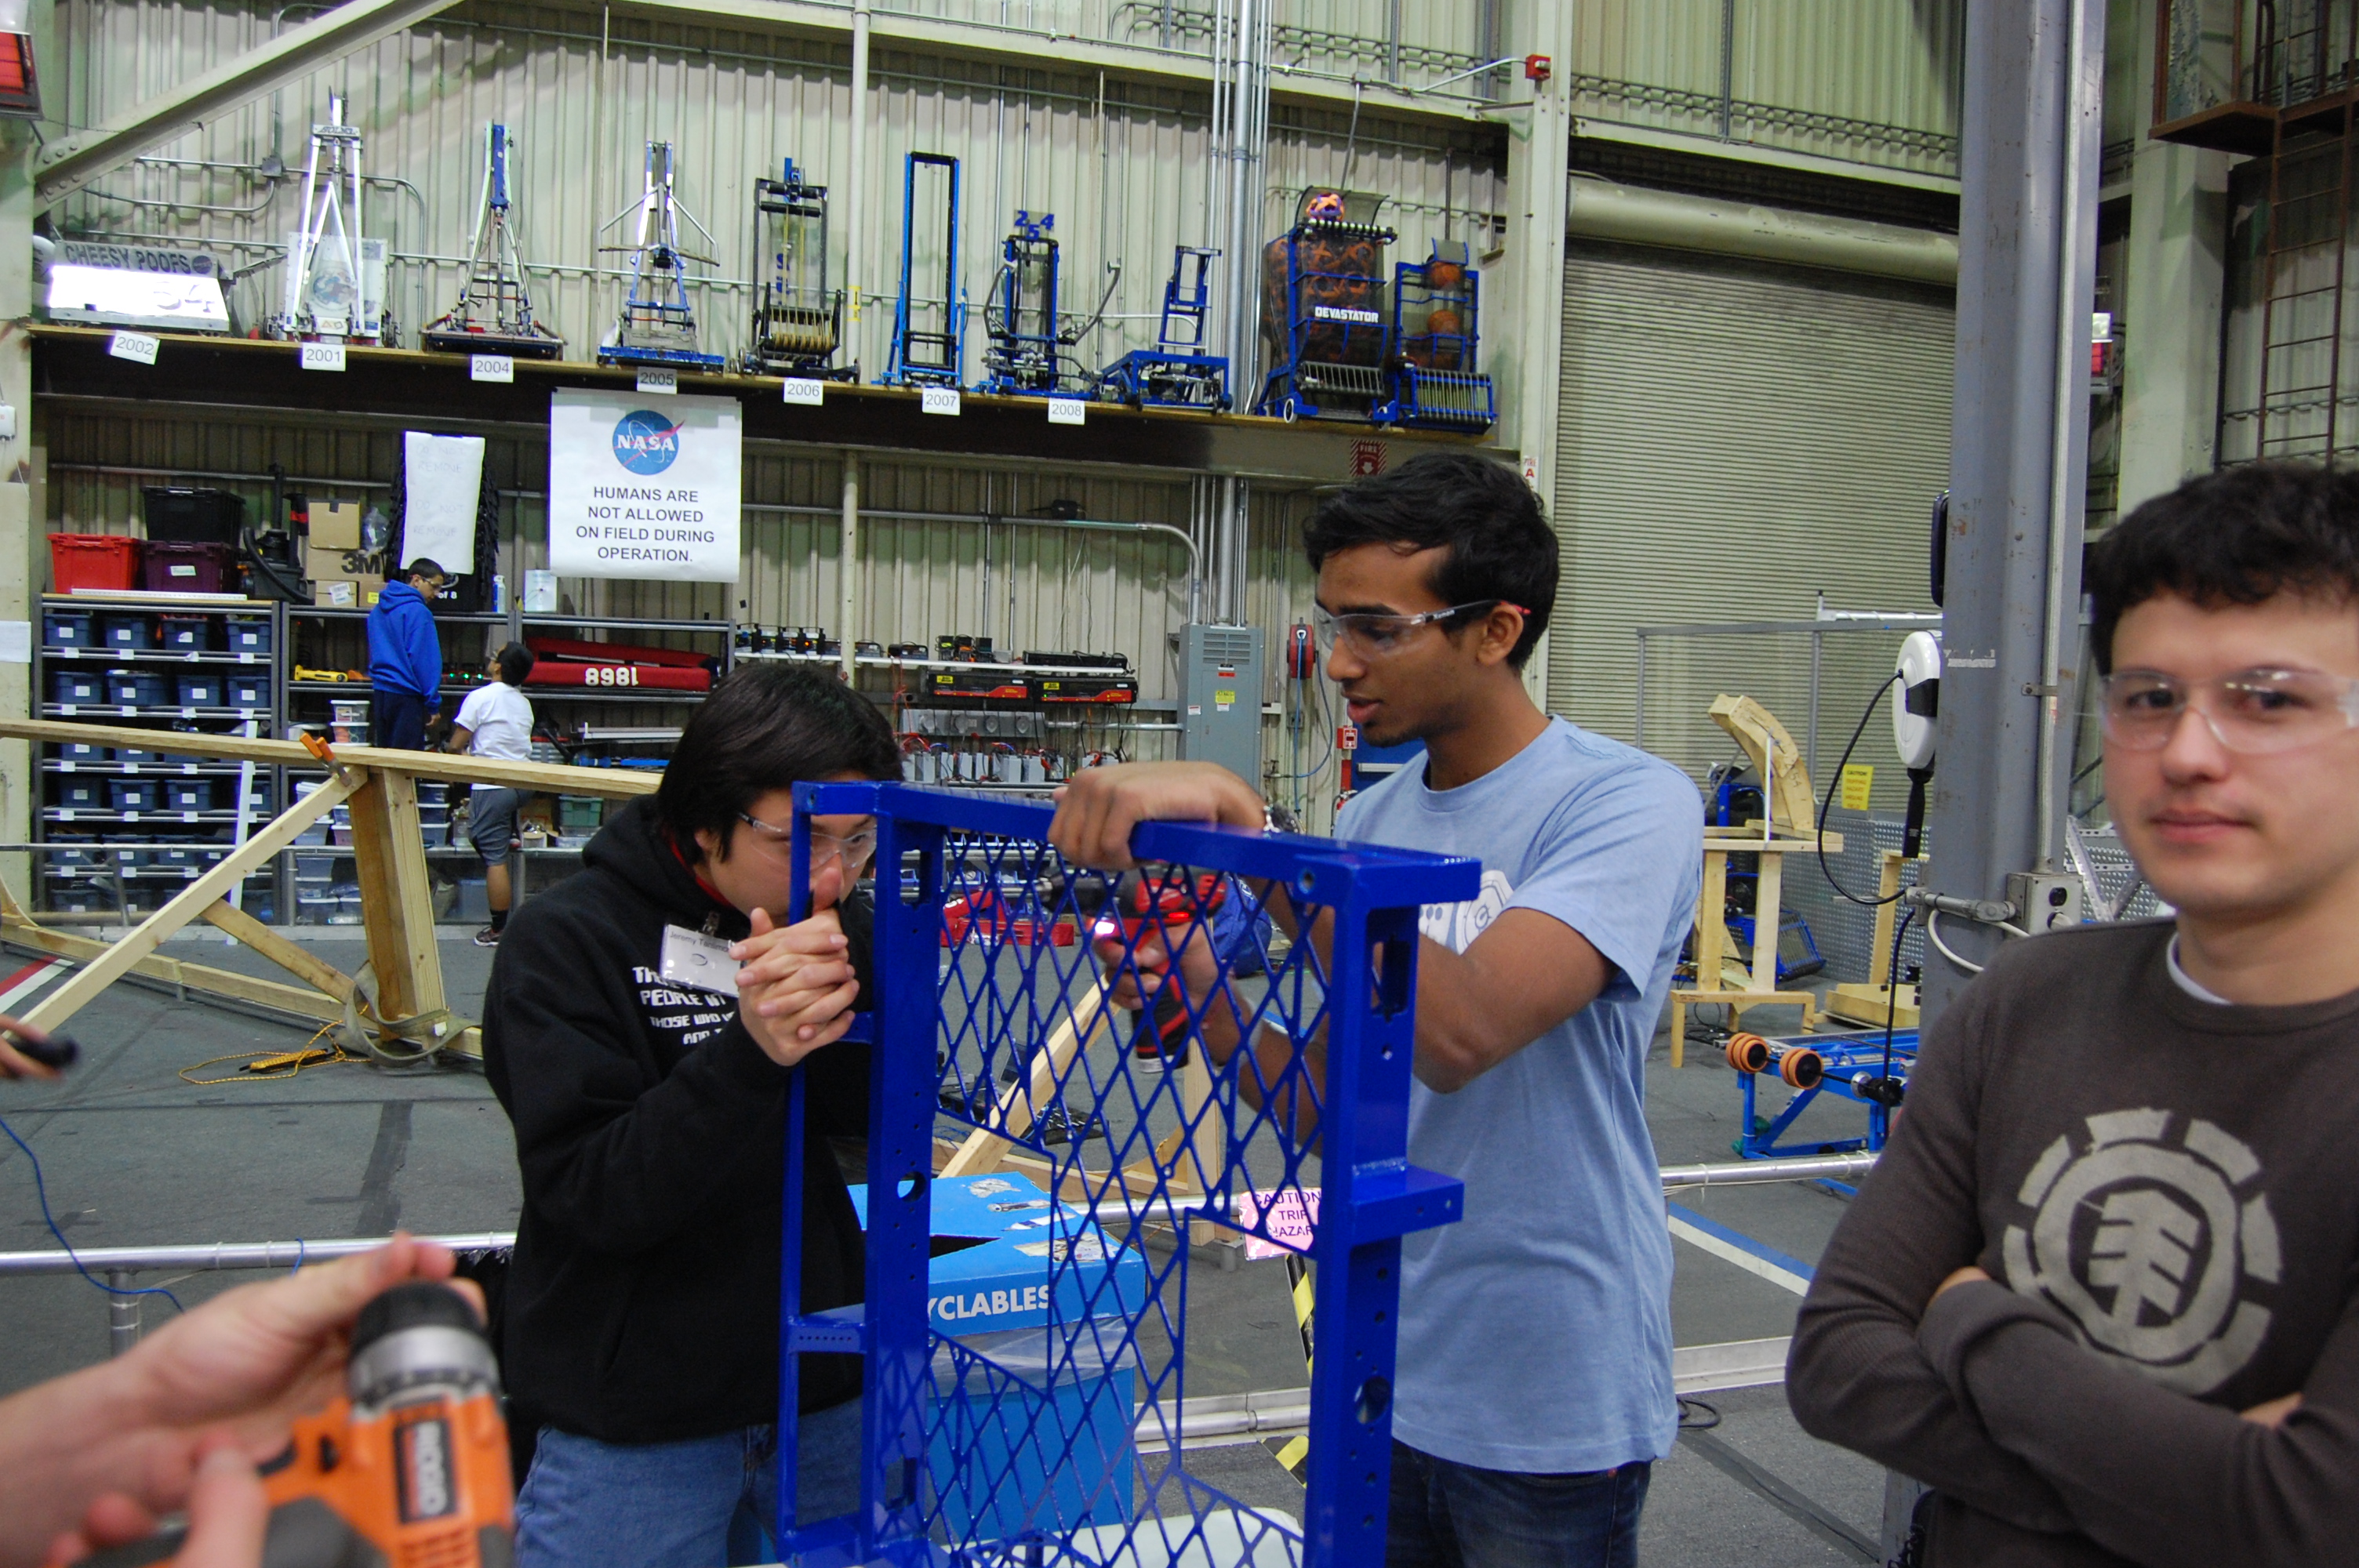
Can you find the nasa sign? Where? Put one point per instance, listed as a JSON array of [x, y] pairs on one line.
[[634, 493]]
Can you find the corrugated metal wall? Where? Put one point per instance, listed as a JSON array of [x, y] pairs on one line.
[[1733, 440], [1122, 166], [1873, 82]]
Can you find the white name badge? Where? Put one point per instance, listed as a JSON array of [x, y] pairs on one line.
[[691, 959]]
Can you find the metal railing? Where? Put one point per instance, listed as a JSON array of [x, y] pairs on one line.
[[119, 1266]]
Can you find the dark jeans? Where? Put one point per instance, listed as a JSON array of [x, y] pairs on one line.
[[397, 721], [1457, 1516]]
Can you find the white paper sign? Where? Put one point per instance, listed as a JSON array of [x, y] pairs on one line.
[[660, 382], [441, 479], [803, 390], [937, 400], [139, 346], [491, 367], [15, 642], [323, 356], [638, 494], [1066, 411]]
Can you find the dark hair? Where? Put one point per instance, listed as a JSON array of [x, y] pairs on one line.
[[1501, 548], [427, 566], [767, 726], [516, 662], [2239, 537]]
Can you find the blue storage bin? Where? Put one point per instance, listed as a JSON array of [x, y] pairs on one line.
[[202, 690], [188, 795], [84, 687], [136, 754], [125, 631], [184, 633], [80, 792], [82, 751], [246, 633], [249, 691], [68, 629], [76, 854], [133, 859], [141, 688], [132, 795]]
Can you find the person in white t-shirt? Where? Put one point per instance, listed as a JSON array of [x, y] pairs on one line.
[[496, 721]]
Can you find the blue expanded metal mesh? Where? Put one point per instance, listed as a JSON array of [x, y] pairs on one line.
[[1055, 1438]]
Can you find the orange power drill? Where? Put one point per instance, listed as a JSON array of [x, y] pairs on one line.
[[1169, 902], [411, 1467]]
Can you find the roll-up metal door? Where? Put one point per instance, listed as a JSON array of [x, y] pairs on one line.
[[1734, 438]]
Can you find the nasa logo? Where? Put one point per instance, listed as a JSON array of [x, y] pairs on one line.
[[646, 442]]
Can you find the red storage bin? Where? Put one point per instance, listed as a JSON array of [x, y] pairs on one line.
[[183, 566], [94, 560]]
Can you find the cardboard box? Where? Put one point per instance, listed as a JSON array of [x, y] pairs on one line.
[[320, 563], [1001, 1277], [347, 592], [336, 525]]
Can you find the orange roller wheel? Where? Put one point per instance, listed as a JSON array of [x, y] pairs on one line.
[[1747, 1052], [1800, 1066]]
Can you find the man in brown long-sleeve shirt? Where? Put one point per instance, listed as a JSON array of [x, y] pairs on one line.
[[2099, 1294]]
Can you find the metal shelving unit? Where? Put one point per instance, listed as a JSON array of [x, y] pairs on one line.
[[105, 857]]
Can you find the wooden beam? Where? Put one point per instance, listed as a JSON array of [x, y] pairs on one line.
[[537, 778], [299, 961], [301, 1001], [397, 897], [208, 889]]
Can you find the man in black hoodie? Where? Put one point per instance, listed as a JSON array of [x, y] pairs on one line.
[[642, 1309]]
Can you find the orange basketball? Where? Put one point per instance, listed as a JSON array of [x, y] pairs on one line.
[[1444, 323], [1445, 276]]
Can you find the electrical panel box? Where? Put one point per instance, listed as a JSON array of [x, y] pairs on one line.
[[2044, 902], [1219, 698]]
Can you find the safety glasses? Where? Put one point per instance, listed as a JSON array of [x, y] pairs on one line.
[[853, 852], [1380, 635], [2252, 712]]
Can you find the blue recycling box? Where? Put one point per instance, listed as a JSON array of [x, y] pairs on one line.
[[1032, 1437], [1000, 1278]]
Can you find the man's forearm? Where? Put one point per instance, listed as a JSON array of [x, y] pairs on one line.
[[65, 1443]]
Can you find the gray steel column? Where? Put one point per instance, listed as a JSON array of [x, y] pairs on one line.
[[2025, 268]]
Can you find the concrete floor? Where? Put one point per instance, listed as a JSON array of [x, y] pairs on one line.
[[133, 1155]]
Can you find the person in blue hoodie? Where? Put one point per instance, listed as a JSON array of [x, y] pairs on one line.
[[405, 659]]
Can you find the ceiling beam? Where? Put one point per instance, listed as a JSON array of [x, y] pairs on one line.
[[68, 165]]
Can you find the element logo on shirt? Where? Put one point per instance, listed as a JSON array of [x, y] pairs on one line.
[[2152, 1243], [1455, 925]]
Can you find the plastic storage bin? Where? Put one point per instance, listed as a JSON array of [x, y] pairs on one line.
[[184, 633], [140, 688], [132, 632], [94, 560], [246, 633], [249, 691], [188, 795], [214, 516], [200, 690], [70, 687], [180, 565], [68, 629], [137, 754], [82, 792], [132, 795], [82, 751]]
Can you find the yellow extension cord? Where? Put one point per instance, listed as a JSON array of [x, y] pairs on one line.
[[263, 1067]]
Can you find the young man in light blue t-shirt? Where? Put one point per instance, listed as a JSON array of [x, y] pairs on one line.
[[1534, 1386]]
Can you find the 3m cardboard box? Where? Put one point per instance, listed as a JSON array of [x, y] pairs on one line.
[[335, 526], [1012, 1235], [322, 564]]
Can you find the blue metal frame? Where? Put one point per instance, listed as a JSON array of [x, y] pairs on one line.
[[1369, 1195], [1295, 388], [668, 306], [1020, 363], [1842, 1057], [1176, 372], [943, 368], [1425, 397]]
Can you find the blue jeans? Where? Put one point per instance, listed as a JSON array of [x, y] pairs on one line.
[[695, 1504], [1456, 1515], [397, 720]]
